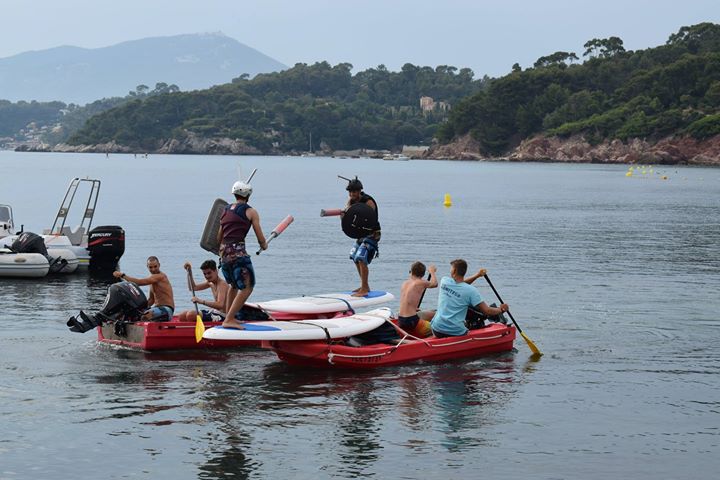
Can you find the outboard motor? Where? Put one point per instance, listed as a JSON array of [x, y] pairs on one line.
[[125, 303], [106, 245], [28, 242]]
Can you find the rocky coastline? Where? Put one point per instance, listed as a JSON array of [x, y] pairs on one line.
[[667, 151], [576, 149]]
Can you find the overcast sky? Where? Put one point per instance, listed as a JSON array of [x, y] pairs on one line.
[[487, 36]]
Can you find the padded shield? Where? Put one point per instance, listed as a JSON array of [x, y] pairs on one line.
[[359, 220], [209, 240]]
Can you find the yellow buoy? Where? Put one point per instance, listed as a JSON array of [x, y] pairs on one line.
[[448, 201], [628, 174], [664, 177]]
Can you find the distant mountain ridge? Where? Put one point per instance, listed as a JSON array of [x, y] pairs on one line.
[[81, 75]]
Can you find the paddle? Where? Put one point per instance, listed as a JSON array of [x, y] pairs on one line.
[[278, 230], [199, 325], [529, 342], [423, 294]]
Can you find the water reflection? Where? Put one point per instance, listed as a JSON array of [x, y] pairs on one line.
[[225, 406], [27, 297], [229, 463], [358, 432], [469, 398]]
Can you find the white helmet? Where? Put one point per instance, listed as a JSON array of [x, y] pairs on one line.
[[241, 188]]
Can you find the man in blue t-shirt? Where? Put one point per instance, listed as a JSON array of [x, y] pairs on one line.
[[456, 295]]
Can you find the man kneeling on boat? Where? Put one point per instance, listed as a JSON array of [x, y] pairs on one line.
[[216, 310], [161, 301], [455, 297]]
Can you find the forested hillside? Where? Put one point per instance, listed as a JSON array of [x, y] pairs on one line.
[[673, 89], [280, 112], [55, 122], [16, 116]]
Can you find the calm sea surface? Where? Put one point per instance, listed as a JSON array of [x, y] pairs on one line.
[[616, 279]]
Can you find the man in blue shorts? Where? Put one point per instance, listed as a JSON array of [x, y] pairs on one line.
[[456, 295], [161, 300], [365, 248], [235, 262]]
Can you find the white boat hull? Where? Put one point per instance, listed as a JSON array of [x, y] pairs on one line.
[[30, 265]]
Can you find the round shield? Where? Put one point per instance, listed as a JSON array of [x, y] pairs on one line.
[[360, 220]]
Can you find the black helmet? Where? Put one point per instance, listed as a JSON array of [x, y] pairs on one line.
[[354, 185]]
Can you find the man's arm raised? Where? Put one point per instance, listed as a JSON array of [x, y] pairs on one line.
[[481, 273], [432, 283]]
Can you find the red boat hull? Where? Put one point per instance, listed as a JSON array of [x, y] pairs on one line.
[[494, 338], [177, 335]]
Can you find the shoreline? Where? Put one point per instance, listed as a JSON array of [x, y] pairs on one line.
[[539, 149]]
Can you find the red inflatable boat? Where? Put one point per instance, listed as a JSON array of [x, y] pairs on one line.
[[494, 338], [177, 335]]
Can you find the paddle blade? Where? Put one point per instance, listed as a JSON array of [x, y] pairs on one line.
[[283, 225], [531, 345], [199, 328]]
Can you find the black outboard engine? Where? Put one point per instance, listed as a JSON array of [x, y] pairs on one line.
[[28, 242], [125, 303], [106, 245]]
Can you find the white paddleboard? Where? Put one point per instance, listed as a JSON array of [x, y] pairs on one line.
[[303, 329], [326, 302]]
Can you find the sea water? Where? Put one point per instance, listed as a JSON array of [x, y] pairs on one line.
[[616, 279]]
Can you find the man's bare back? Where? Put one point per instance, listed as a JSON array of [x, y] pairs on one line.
[[411, 291]]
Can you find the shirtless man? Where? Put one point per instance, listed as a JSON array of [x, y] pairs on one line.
[[162, 304], [410, 292], [219, 288]]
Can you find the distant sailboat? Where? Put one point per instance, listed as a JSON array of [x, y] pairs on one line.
[[310, 153]]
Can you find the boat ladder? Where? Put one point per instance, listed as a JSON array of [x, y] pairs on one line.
[[58, 226]]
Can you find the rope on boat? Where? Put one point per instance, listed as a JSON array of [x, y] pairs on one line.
[[324, 329], [332, 355], [349, 308]]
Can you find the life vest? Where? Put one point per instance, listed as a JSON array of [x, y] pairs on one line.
[[364, 198], [235, 224]]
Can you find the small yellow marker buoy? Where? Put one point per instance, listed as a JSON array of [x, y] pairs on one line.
[[664, 177], [628, 174], [448, 201]]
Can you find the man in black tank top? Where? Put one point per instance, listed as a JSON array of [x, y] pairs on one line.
[[365, 248]]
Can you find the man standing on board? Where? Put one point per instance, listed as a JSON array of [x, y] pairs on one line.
[[219, 288], [161, 301], [455, 296], [236, 265], [365, 248]]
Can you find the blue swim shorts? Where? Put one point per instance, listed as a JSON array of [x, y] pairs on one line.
[[235, 270], [364, 250], [161, 313]]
